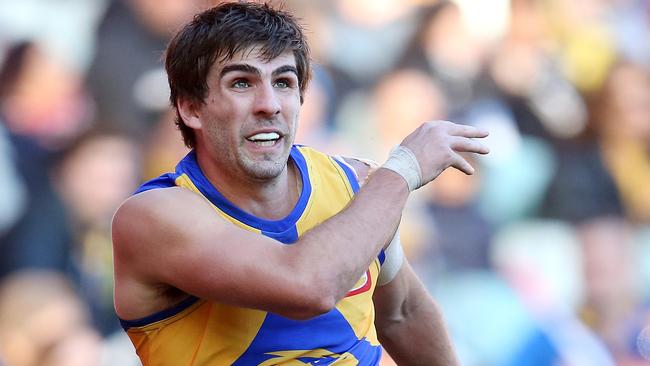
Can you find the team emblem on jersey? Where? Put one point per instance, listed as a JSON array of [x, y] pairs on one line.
[[309, 357]]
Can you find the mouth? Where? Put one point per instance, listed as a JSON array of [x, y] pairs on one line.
[[265, 139]]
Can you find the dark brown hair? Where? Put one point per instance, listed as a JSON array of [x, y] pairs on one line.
[[218, 34]]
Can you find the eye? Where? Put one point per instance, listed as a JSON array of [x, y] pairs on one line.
[[240, 84], [282, 83]]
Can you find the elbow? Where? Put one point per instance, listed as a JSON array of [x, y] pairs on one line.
[[311, 303], [312, 310], [312, 291]]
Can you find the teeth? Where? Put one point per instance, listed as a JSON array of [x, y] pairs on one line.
[[270, 136], [265, 143]]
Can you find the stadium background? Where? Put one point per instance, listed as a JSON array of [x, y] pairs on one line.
[[542, 258]]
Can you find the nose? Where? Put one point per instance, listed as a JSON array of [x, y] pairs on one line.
[[267, 102]]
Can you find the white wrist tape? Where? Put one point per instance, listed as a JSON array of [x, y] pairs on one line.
[[403, 162]]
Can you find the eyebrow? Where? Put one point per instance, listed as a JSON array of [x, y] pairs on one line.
[[253, 70], [283, 69]]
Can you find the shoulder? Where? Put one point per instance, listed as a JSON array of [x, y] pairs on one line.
[[147, 229], [154, 203], [154, 225], [153, 213]]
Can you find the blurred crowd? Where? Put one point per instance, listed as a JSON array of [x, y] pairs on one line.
[[541, 258]]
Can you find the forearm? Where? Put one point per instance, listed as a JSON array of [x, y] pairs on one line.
[[419, 337], [367, 223], [347, 243]]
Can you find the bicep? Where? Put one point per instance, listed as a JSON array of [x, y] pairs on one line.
[[393, 300], [409, 323], [389, 298], [176, 238]]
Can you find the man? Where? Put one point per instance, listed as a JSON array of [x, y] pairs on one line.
[[196, 283]]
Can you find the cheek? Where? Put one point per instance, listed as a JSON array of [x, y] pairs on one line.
[[292, 110], [221, 115], [220, 107]]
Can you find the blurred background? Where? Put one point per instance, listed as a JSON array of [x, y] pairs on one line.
[[541, 258]]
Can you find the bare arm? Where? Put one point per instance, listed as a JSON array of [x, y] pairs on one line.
[[173, 237], [409, 323]]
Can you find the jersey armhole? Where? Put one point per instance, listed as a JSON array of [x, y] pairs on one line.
[[371, 164]]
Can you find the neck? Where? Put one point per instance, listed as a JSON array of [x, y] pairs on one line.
[[270, 199]]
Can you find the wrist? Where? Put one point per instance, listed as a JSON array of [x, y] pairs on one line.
[[403, 162]]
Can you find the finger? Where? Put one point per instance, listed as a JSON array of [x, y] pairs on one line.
[[467, 131], [461, 164], [463, 144]]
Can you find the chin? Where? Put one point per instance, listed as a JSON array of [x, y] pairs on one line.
[[265, 170]]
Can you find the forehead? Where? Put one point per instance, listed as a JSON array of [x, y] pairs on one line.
[[253, 57]]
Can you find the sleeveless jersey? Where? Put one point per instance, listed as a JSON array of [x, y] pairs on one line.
[[199, 332]]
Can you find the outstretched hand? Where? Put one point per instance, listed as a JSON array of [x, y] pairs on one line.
[[437, 145]]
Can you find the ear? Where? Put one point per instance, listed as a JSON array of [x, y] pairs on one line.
[[189, 112]]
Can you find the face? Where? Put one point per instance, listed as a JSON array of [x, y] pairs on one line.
[[249, 118]]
